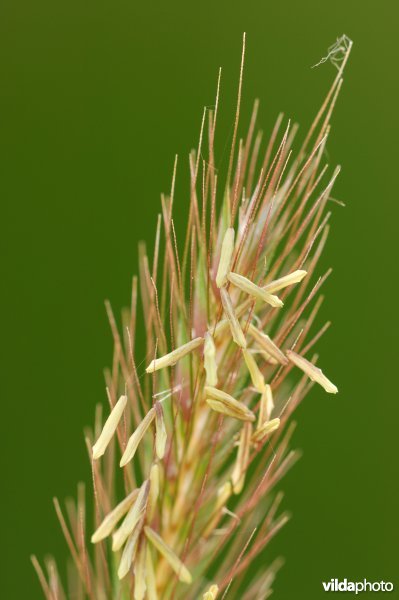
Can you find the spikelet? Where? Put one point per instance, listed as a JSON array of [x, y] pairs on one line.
[[313, 372], [226, 257], [109, 428], [198, 473]]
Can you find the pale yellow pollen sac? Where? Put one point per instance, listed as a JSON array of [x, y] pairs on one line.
[[109, 428], [136, 437], [169, 360], [160, 429], [313, 372], [266, 405], [224, 324], [220, 327], [223, 494], [250, 288], [212, 593], [154, 490], [111, 520], [129, 553], [267, 344], [241, 464], [132, 518], [210, 360], [235, 327], [224, 403], [267, 428], [257, 378], [179, 568], [283, 282], [267, 357], [226, 257], [150, 575], [139, 569]]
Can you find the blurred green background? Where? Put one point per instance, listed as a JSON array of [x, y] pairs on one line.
[[96, 98]]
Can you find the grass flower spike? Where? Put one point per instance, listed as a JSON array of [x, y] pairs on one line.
[[186, 467]]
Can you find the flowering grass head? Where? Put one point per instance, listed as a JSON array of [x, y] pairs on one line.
[[196, 437]]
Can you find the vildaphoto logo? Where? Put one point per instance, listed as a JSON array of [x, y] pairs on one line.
[[335, 585]]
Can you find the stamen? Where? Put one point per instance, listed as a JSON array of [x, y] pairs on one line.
[[109, 428], [235, 327], [226, 257], [168, 360], [250, 288], [224, 403], [313, 372], [283, 282], [179, 568], [136, 438]]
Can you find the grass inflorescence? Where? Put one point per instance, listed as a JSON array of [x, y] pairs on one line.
[[186, 462]]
